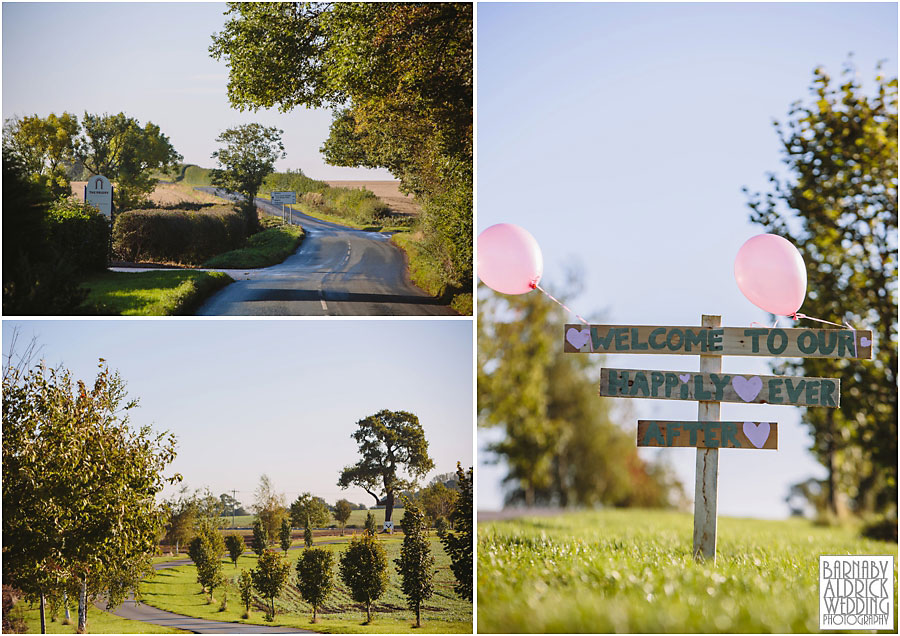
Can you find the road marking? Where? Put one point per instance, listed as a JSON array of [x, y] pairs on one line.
[[324, 306]]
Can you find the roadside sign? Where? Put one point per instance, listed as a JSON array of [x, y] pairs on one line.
[[284, 198], [99, 192], [761, 435]]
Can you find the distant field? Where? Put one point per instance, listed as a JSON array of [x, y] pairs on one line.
[[164, 193], [357, 518], [387, 191]]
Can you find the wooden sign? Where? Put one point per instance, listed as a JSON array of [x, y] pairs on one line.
[[734, 341], [720, 387], [752, 435]]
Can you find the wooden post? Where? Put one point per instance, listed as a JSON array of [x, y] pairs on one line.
[[707, 471]]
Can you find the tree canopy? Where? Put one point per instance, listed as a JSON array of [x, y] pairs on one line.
[[307, 508], [460, 544], [416, 563], [837, 202]]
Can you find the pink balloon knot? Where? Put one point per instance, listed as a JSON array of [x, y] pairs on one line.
[[533, 284]]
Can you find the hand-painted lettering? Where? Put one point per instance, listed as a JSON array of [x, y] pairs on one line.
[[714, 339], [697, 339], [675, 346], [793, 392], [653, 433], [775, 396], [807, 342], [654, 338], [699, 392], [636, 343], [729, 435], [601, 343], [828, 390], [640, 386], [846, 340], [719, 382], [812, 392], [710, 432], [754, 335], [777, 341], [656, 380]]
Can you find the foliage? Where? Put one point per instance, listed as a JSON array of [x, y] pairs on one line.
[[235, 546], [206, 551], [561, 442], [309, 510], [342, 511], [437, 500], [269, 576], [269, 508], [118, 147], [364, 570], [182, 511], [370, 524], [177, 236], [265, 248], [249, 154], [389, 442], [398, 77], [315, 576], [245, 584], [231, 506], [284, 534], [63, 441], [595, 571], [46, 146], [459, 545], [79, 234], [838, 205], [260, 539], [153, 293], [441, 526], [416, 563]]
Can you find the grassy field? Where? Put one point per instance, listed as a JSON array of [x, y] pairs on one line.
[[632, 571], [318, 213], [154, 293], [99, 622], [177, 590], [357, 518], [195, 175], [265, 248]]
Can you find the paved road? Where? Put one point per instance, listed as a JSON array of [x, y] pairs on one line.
[[337, 271]]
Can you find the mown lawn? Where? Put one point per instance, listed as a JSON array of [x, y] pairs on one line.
[[153, 293], [99, 622], [263, 249], [632, 571], [177, 590]]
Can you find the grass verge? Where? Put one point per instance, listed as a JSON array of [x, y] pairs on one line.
[[99, 622], [317, 213], [632, 571], [424, 274], [154, 293], [265, 248], [177, 590]]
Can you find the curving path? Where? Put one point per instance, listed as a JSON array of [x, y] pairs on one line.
[[337, 271]]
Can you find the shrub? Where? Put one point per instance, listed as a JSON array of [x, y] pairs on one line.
[[177, 235], [80, 235], [364, 571]]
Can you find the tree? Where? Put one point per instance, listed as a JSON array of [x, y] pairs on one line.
[[260, 537], [364, 571], [269, 508], [231, 506], [285, 534], [459, 544], [206, 551], [245, 584], [249, 155], [440, 526], [370, 524], [398, 77], [182, 518], [315, 576], [838, 205], [416, 563], [308, 508], [45, 145], [342, 511], [389, 442], [437, 500], [120, 149], [84, 482], [307, 536], [235, 545], [269, 577]]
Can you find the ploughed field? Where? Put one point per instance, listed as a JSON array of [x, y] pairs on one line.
[[387, 191]]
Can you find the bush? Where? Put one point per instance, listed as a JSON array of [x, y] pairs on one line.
[[79, 234], [177, 236]]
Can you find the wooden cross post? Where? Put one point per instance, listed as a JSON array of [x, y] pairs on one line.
[[706, 478]]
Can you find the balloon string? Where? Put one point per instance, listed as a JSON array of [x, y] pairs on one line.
[[796, 316], [534, 285]]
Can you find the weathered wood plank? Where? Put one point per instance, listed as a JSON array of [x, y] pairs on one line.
[[706, 472], [708, 434], [728, 341], [720, 387]]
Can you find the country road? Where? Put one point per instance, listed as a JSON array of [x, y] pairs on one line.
[[337, 271]]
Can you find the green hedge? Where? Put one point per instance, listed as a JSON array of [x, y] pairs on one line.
[[79, 235], [178, 236]]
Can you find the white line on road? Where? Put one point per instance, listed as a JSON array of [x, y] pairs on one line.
[[324, 306]]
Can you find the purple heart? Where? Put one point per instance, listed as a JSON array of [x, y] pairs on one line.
[[864, 342], [684, 377], [578, 338], [746, 389], [757, 433]]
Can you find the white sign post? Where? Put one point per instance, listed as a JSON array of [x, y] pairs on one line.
[[284, 198], [99, 192]]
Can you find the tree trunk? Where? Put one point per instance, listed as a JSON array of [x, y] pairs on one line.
[[529, 496], [43, 622], [82, 606], [66, 606], [314, 614], [388, 505], [830, 465], [176, 547], [418, 621]]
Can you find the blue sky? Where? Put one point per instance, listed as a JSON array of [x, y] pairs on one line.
[[280, 397], [620, 136], [151, 61]]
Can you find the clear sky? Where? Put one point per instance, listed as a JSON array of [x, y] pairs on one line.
[[280, 397], [620, 135], [150, 61]]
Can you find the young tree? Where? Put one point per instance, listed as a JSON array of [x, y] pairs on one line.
[[389, 442], [120, 149], [260, 537], [838, 205], [182, 519], [249, 155], [308, 535], [364, 571], [416, 563], [342, 511], [269, 508], [440, 526], [370, 524], [245, 584], [459, 544], [269, 577], [285, 534], [235, 545], [207, 550], [315, 577], [437, 500], [309, 508], [61, 441]]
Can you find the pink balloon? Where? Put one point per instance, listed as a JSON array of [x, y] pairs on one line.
[[509, 259], [771, 273]]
